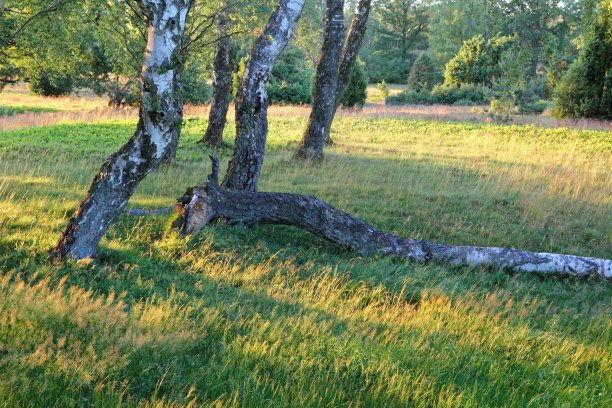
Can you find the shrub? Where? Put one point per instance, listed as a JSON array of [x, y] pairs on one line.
[[444, 94], [383, 89], [477, 61], [410, 97], [355, 93], [295, 94], [423, 74], [393, 70], [49, 83], [533, 107], [290, 80], [196, 90], [586, 88], [449, 94]]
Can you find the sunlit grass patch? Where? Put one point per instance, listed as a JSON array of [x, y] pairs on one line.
[[272, 316]]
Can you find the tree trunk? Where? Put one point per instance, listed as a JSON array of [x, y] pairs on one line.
[[252, 99], [352, 45], [160, 118], [208, 201], [324, 101], [169, 158], [222, 84], [348, 57]]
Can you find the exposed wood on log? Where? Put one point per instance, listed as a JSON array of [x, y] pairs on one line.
[[208, 201]]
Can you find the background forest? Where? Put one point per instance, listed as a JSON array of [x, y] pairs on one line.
[[514, 54]]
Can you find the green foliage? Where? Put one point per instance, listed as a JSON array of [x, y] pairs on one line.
[[533, 107], [451, 93], [477, 61], [196, 90], [45, 82], [443, 94], [423, 74], [355, 93], [290, 80], [585, 90], [383, 89], [410, 97], [393, 70], [454, 22], [395, 29]]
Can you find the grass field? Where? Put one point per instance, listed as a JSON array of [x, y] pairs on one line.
[[273, 316]]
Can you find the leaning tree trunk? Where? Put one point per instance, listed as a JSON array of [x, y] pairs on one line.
[[350, 51], [222, 85], [314, 141], [208, 202], [324, 101], [160, 117], [252, 99]]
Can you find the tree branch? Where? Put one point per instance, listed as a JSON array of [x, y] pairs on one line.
[[16, 33], [208, 201]]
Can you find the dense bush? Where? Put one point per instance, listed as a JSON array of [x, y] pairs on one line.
[[532, 107], [423, 74], [443, 94], [48, 83], [410, 97], [355, 93], [196, 90], [290, 80], [396, 70], [294, 94], [449, 94], [477, 62], [586, 88]]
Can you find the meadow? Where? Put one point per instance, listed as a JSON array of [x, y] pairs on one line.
[[272, 316]]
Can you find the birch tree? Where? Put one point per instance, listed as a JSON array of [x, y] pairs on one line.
[[338, 71], [326, 83], [160, 118], [222, 83], [252, 98]]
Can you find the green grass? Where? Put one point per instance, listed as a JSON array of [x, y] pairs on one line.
[[14, 110], [273, 316]]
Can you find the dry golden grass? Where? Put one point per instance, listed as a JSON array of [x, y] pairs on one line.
[[90, 108]]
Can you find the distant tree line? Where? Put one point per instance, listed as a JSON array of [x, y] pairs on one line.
[[446, 51]]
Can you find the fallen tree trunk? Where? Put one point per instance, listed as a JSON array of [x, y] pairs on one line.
[[208, 201]]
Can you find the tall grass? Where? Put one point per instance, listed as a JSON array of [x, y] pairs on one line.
[[272, 316]]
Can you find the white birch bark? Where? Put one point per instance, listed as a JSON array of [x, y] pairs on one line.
[[160, 118]]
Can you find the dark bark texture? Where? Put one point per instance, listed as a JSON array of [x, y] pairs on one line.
[[326, 83], [222, 84], [351, 48], [208, 202], [157, 132], [252, 99], [315, 141]]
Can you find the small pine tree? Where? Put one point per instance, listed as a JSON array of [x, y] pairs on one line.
[[383, 89], [356, 91], [423, 74], [477, 61]]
